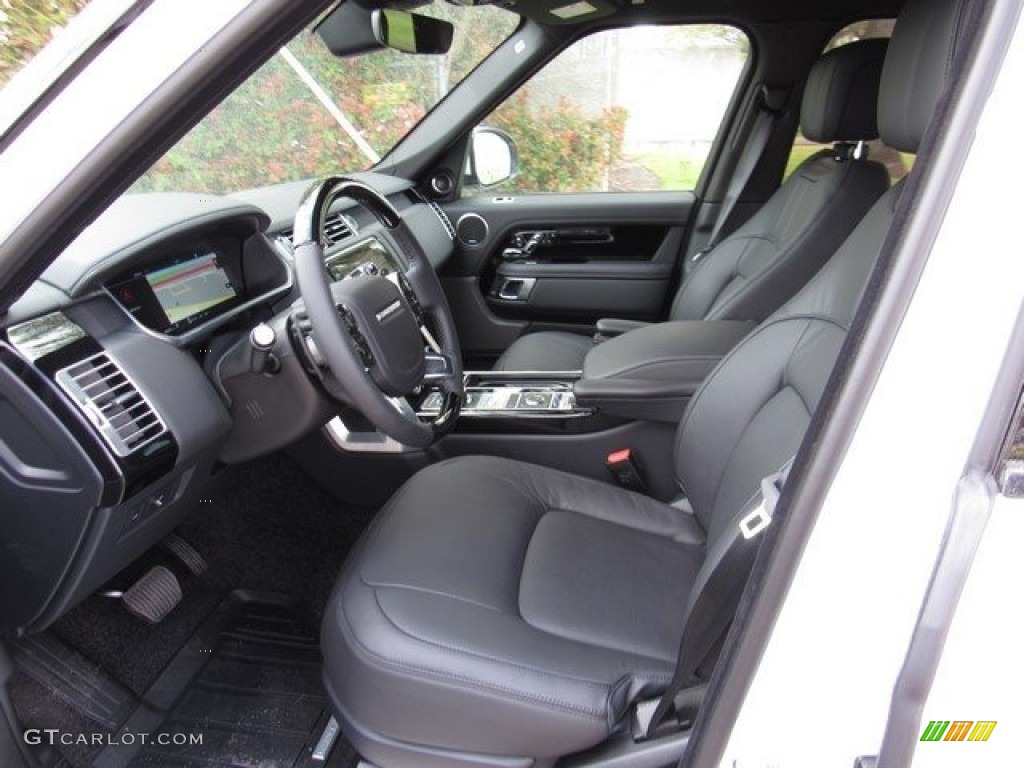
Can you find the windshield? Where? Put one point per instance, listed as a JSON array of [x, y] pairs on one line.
[[26, 27], [308, 113]]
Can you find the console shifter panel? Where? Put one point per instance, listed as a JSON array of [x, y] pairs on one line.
[[537, 399]]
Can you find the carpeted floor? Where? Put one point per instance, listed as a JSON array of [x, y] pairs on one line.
[[269, 528], [248, 684]]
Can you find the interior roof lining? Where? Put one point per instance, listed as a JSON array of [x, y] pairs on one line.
[[750, 11]]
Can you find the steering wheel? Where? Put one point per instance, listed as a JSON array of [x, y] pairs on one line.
[[373, 332]]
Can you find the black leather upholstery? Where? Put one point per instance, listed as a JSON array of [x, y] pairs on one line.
[[764, 262], [840, 101], [674, 351], [506, 584], [919, 61], [547, 351], [753, 271], [500, 613]]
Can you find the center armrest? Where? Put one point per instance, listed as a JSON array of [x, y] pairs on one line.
[[610, 327], [650, 373]]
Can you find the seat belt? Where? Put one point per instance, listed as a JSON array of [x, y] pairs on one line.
[[767, 111], [716, 595]]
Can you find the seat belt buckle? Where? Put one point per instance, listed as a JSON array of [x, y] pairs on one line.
[[760, 517], [643, 713], [755, 521], [699, 255], [626, 470]]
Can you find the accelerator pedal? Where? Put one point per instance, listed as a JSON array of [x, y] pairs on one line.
[[153, 596], [186, 553]]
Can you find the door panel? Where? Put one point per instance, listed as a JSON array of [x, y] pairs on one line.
[[582, 291], [597, 255]]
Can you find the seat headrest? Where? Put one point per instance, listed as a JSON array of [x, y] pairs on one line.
[[841, 96], [917, 66]]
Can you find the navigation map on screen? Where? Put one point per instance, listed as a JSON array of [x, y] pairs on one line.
[[186, 289]]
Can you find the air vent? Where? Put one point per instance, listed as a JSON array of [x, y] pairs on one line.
[[112, 402], [336, 229], [445, 221]]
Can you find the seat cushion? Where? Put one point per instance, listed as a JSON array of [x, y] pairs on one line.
[[546, 351], [508, 609]]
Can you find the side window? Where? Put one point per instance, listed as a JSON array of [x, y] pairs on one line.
[[633, 109], [897, 163]]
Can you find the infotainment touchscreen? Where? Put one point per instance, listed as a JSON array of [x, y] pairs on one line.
[[191, 287]]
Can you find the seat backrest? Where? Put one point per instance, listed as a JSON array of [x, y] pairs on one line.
[[751, 413], [753, 271]]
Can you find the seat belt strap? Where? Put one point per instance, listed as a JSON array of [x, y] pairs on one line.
[[720, 584], [756, 143]]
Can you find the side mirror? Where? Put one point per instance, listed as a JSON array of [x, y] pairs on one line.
[[493, 158], [411, 32]]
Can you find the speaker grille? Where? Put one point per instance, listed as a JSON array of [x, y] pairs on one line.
[[471, 229]]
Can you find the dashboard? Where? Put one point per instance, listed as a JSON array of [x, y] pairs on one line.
[[114, 413]]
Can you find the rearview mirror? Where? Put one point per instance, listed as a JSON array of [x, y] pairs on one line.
[[411, 32], [493, 158], [352, 29]]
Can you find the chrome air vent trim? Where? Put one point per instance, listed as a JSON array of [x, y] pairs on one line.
[[113, 403], [337, 228]]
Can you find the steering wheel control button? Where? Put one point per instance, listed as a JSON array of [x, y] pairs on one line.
[[352, 326], [384, 330], [410, 297], [364, 352]]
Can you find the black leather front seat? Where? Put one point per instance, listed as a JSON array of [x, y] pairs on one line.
[[503, 614], [753, 271]]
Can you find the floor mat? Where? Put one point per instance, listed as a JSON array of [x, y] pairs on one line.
[[267, 527], [246, 686], [69, 676]]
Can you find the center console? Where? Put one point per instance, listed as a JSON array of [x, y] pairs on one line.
[[648, 375], [511, 394]]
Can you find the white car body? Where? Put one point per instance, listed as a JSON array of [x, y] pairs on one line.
[[847, 622]]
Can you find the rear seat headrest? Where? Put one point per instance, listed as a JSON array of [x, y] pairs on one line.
[[916, 69], [840, 100]]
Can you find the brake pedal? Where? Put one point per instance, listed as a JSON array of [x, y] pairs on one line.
[[153, 596], [186, 553]]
